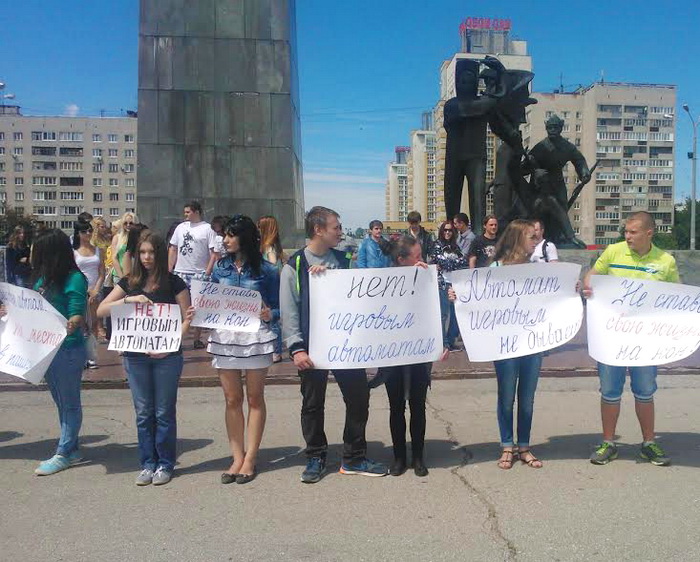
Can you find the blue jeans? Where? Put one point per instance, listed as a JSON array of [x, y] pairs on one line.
[[450, 328], [154, 384], [518, 375], [612, 382], [63, 378]]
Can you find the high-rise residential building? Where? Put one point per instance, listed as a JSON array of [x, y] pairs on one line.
[[630, 130], [57, 167], [397, 200]]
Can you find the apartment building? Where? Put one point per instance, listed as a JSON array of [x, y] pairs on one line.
[[57, 167], [629, 129], [397, 199]]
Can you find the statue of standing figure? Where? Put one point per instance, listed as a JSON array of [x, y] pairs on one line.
[[465, 120], [548, 198]]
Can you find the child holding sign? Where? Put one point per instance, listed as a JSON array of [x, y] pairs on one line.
[[235, 352], [65, 287], [153, 377]]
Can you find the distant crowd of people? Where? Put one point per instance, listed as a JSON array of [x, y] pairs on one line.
[[103, 266]]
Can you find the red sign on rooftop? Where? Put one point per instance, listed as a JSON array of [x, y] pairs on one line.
[[492, 24]]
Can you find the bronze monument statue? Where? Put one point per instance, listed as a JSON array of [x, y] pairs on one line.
[[465, 118], [548, 198]]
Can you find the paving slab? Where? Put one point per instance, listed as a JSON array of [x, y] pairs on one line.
[[466, 509]]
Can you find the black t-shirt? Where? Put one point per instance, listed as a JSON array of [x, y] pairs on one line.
[[167, 295], [484, 249]]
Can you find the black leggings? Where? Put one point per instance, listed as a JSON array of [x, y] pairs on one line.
[[417, 379]]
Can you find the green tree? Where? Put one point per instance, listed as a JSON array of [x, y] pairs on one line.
[[681, 226], [11, 219]]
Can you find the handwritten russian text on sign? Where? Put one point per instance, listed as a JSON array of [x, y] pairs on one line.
[[224, 307], [374, 317], [146, 328], [30, 334], [516, 310], [634, 322]]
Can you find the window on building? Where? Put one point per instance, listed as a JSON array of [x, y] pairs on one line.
[[97, 167], [19, 182], [43, 136], [71, 210], [113, 168], [75, 181], [44, 196], [2, 166], [44, 180], [3, 181], [114, 197], [113, 153], [128, 168], [114, 211], [128, 138], [129, 153], [129, 182], [97, 211], [97, 198], [72, 196], [96, 137], [18, 166], [2, 151], [70, 136], [17, 136], [2, 136], [18, 151], [97, 153], [129, 197], [113, 182], [96, 182], [111, 137], [71, 166], [19, 195], [44, 150], [70, 152]]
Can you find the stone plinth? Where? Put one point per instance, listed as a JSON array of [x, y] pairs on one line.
[[219, 111]]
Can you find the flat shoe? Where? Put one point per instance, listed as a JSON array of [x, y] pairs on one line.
[[245, 478], [228, 478]]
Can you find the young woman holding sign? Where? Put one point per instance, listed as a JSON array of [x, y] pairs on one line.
[[519, 374], [408, 382], [235, 352], [59, 280], [153, 377]]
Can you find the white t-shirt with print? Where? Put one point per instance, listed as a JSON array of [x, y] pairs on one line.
[[538, 254], [193, 242]]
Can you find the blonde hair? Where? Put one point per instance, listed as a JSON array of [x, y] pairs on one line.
[[512, 247], [122, 235], [96, 239]]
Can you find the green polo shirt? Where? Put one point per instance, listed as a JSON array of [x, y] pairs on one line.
[[620, 261]]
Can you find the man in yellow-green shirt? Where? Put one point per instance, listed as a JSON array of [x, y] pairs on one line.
[[635, 258]]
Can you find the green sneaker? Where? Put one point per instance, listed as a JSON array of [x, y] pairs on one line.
[[654, 454], [604, 453]]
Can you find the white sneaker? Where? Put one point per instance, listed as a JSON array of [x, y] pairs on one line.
[[145, 477], [161, 476]]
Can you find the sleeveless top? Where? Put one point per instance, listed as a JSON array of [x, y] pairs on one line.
[[89, 265]]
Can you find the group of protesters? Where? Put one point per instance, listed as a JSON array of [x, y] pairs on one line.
[[138, 265]]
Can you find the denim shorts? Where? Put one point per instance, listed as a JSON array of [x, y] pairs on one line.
[[612, 382]]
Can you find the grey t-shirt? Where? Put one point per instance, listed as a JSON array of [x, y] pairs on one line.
[[290, 300]]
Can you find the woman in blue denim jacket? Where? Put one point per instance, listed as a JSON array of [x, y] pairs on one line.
[[370, 253], [235, 352]]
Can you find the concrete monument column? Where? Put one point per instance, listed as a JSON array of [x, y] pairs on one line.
[[218, 114]]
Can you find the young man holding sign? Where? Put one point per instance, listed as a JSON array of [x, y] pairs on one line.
[[324, 231], [635, 258]]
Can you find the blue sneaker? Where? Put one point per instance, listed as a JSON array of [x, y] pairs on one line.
[[314, 471], [55, 464], [364, 467]]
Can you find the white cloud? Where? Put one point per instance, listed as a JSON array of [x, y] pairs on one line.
[[71, 110]]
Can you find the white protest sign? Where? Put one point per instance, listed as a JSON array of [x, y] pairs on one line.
[[30, 334], [635, 322], [225, 307], [374, 317], [516, 310], [146, 328]]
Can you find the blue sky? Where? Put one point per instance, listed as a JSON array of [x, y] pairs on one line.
[[366, 69]]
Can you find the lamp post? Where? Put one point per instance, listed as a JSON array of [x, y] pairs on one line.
[[694, 179]]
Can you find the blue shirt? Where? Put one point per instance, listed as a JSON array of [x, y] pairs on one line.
[[371, 255], [267, 283]]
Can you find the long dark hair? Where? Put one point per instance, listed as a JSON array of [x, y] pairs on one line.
[[133, 237], [248, 235], [78, 227], [139, 274], [444, 243], [53, 259]]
